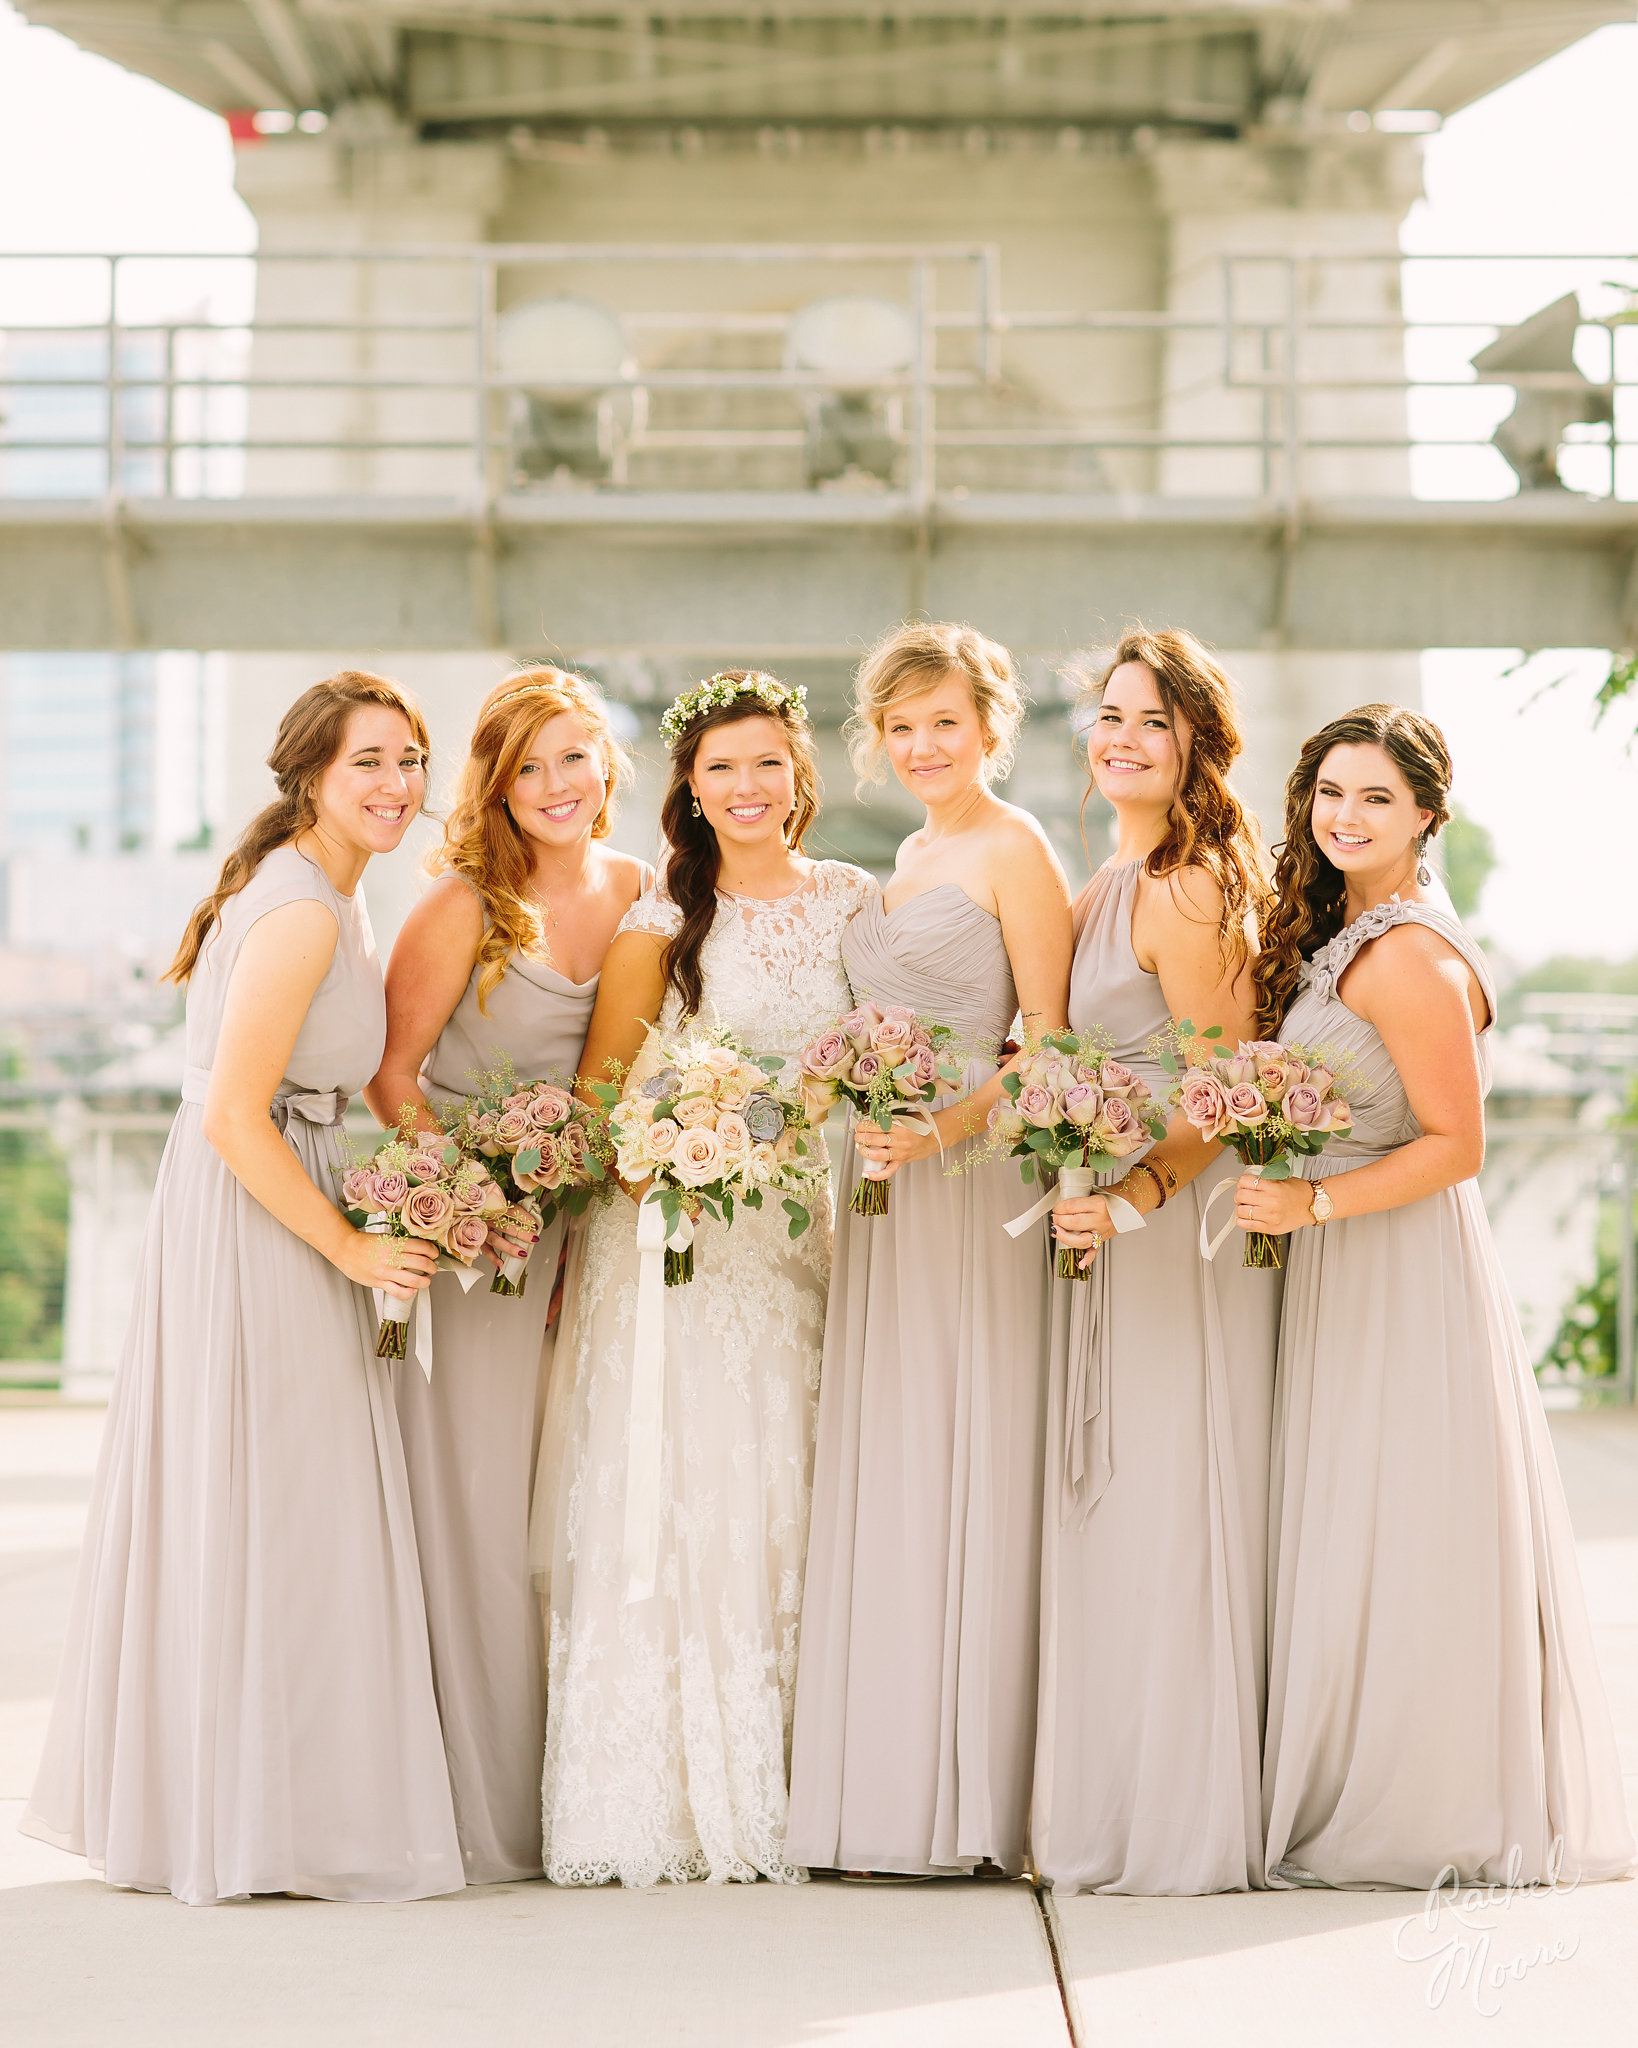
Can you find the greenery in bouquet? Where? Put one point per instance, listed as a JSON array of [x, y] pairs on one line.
[[887, 1062], [714, 1126]]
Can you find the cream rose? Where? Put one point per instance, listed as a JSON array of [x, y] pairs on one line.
[[697, 1158], [660, 1139], [733, 1135]]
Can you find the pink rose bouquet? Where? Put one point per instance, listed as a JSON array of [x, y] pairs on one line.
[[548, 1151], [711, 1124], [885, 1061], [1071, 1109], [1270, 1104], [424, 1186]]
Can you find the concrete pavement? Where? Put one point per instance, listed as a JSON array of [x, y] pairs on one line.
[[961, 1965]]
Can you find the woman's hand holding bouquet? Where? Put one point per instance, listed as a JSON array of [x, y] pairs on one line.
[[424, 1189], [888, 1063], [547, 1150]]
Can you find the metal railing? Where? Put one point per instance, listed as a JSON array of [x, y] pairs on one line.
[[382, 372]]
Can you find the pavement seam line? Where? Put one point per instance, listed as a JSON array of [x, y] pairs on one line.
[[1052, 1930]]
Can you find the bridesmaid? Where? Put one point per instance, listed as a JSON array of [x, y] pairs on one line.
[[499, 961], [1161, 1366], [915, 1696], [1434, 1700], [246, 1700]]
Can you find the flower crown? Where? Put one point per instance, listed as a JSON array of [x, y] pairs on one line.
[[720, 690]]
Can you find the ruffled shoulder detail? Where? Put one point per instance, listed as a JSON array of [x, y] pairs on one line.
[[654, 912], [1322, 973]]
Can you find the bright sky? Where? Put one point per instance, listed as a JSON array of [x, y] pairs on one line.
[[93, 157]]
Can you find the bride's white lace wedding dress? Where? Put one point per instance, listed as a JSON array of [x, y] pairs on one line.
[[668, 1720]]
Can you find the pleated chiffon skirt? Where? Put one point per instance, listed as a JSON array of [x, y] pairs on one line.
[[246, 1700]]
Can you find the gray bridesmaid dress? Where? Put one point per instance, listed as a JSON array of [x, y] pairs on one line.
[[245, 1702], [1152, 1572], [1434, 1696], [915, 1692], [471, 1435]]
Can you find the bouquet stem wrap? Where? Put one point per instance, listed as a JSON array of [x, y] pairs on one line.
[[394, 1339], [1261, 1249], [645, 1448], [1074, 1183], [870, 1197]]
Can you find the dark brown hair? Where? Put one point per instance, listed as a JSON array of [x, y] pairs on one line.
[[693, 858], [1207, 826], [311, 734], [482, 841], [1307, 904]]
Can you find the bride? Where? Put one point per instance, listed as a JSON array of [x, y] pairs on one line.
[[668, 1722]]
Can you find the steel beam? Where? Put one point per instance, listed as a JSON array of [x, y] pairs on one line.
[[721, 573]]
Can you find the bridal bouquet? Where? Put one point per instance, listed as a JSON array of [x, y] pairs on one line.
[[712, 1124], [1270, 1104], [422, 1185], [548, 1153], [1073, 1112], [885, 1061]]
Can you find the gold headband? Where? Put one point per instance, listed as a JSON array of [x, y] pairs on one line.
[[529, 690]]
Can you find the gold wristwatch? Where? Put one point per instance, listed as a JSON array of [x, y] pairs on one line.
[[1322, 1202]]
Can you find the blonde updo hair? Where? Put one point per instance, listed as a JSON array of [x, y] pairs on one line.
[[483, 842], [909, 662]]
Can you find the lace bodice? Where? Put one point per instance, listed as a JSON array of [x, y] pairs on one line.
[[772, 971]]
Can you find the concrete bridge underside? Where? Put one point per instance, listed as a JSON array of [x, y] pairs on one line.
[[722, 575]]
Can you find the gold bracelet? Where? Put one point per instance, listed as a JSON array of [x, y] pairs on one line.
[[1143, 1166], [1159, 1166]]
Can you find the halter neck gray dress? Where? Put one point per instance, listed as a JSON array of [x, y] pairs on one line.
[[471, 1436], [1434, 1696], [1161, 1373], [915, 1693], [246, 1701]]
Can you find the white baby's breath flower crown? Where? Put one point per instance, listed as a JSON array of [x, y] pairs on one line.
[[720, 690]]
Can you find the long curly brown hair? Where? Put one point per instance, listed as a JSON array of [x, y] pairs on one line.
[[311, 734], [482, 841], [1207, 825], [693, 856], [1306, 908]]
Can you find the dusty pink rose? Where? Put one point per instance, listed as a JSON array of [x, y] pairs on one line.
[[1238, 1068], [662, 1136], [1321, 1078], [391, 1189], [893, 1035], [466, 1237], [819, 1098], [1082, 1102], [424, 1165], [918, 1070], [358, 1187], [548, 1107], [733, 1135], [1247, 1103], [1205, 1102], [1260, 1049], [1116, 1079], [494, 1198], [1274, 1077], [868, 1068], [1303, 1109], [696, 1111], [467, 1195], [1339, 1115], [1118, 1117], [859, 1023], [697, 1158], [518, 1100], [1036, 1105], [576, 1149], [428, 1212], [549, 1173], [512, 1129], [827, 1056]]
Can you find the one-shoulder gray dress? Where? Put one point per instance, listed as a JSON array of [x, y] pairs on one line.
[[246, 1701], [1152, 1570], [471, 1434], [915, 1696], [1434, 1697]]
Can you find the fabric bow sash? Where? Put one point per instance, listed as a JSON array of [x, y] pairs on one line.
[[1210, 1246]]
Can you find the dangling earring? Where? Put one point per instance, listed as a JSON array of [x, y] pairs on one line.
[[696, 807], [1424, 874]]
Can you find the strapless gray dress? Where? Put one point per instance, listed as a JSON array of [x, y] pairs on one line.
[[1152, 1570], [915, 1697], [1434, 1695], [246, 1700], [471, 1436]]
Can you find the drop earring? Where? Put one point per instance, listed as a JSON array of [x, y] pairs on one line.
[[1424, 874], [696, 807]]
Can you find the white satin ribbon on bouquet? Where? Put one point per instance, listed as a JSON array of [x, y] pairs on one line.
[[390, 1309], [645, 1444], [1211, 1246], [919, 1120], [1074, 1182]]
